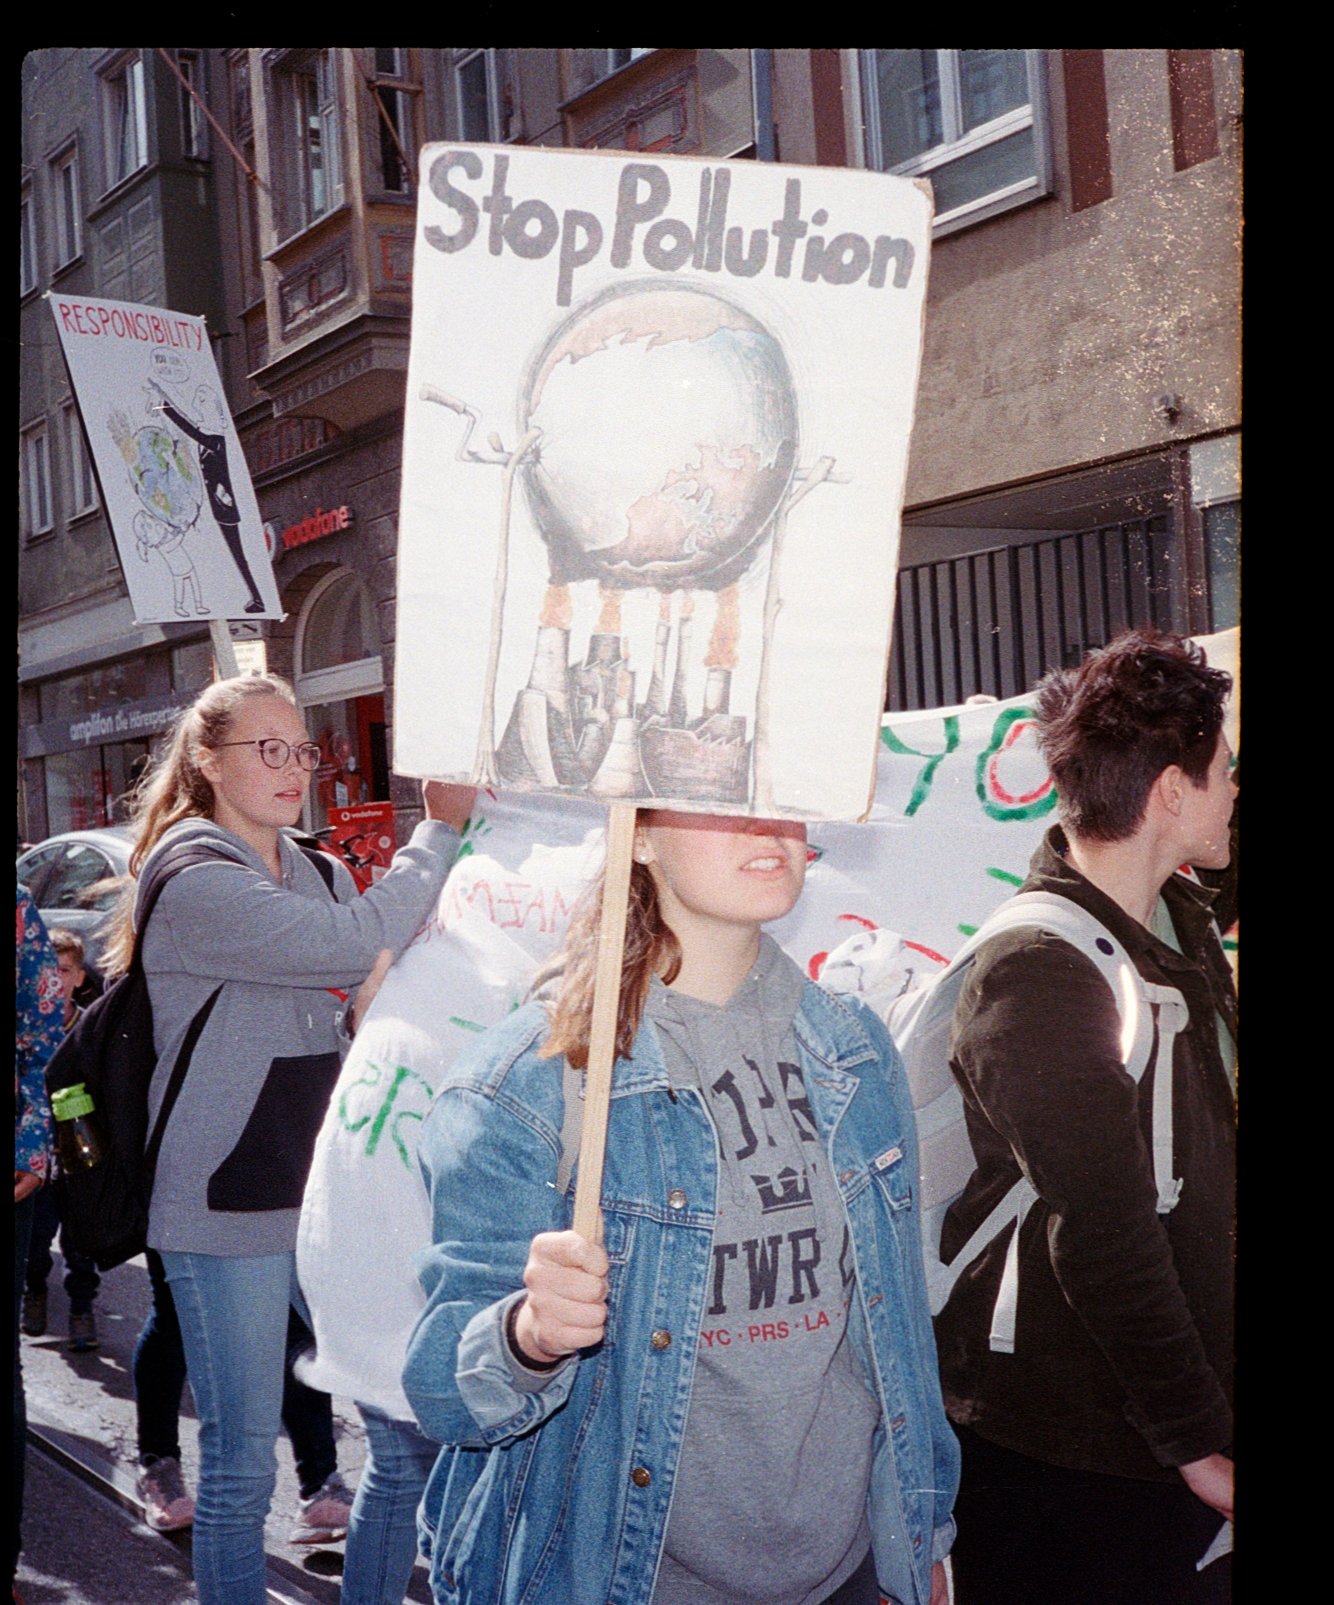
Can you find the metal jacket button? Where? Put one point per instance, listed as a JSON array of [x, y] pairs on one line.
[[641, 1476], [676, 1198], [661, 1339]]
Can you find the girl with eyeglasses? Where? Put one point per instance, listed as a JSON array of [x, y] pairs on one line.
[[732, 1398], [250, 959]]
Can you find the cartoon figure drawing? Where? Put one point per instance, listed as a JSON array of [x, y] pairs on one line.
[[207, 427], [153, 534], [658, 450]]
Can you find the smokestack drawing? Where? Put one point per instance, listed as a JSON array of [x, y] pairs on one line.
[[678, 712], [656, 702], [717, 689], [551, 657]]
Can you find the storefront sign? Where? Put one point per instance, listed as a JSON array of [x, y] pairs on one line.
[[363, 837], [316, 525], [95, 727]]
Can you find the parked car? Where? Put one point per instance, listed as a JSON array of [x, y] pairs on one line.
[[68, 877]]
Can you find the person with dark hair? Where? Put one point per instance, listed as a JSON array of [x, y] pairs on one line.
[[1097, 1453], [732, 1397]]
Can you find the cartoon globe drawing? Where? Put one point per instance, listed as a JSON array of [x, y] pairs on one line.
[[165, 477], [669, 437]]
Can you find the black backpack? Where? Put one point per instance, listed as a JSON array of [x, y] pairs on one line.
[[104, 1211]]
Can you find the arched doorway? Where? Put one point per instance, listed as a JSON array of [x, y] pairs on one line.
[[339, 681]]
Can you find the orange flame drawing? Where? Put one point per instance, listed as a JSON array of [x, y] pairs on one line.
[[722, 651], [557, 611], [609, 619]]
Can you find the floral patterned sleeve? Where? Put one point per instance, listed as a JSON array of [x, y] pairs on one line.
[[37, 1035]]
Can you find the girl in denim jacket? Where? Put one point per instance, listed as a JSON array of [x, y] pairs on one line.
[[732, 1398]]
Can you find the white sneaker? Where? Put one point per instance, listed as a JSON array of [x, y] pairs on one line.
[[167, 1506], [325, 1515]]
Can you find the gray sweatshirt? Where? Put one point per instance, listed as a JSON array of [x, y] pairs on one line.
[[769, 1504], [273, 966]]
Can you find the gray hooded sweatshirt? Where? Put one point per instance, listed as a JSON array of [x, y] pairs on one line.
[[251, 978]]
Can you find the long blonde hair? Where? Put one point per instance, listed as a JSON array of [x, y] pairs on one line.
[[174, 787], [651, 948]]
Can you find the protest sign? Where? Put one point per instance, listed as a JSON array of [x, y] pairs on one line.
[[656, 434], [174, 481], [962, 800]]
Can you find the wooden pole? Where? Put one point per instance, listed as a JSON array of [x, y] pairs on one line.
[[602, 1034], [224, 652]]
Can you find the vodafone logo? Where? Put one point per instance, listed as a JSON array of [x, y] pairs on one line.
[[315, 526]]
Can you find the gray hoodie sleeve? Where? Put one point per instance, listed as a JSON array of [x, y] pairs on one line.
[[232, 922]]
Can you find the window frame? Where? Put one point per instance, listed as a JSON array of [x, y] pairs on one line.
[[124, 93], [29, 276], [958, 143], [299, 80], [397, 91], [194, 125], [68, 196], [83, 492], [462, 59], [36, 448]]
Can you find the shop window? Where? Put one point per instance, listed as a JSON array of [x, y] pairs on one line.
[[74, 790], [340, 686], [972, 121], [1222, 544]]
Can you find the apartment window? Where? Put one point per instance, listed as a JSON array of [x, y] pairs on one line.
[[310, 145], [82, 485], [27, 243], [972, 121], [69, 207], [194, 125], [584, 68], [477, 86], [395, 143], [125, 117], [37, 479]]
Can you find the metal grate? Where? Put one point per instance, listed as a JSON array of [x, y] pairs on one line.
[[995, 621]]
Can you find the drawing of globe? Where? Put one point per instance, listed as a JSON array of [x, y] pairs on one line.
[[165, 477], [669, 437]]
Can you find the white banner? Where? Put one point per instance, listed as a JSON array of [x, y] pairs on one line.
[[654, 456], [962, 801], [174, 480]]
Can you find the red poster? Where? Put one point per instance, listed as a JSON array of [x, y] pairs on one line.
[[363, 837]]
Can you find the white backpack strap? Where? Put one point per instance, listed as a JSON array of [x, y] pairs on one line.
[[1005, 1312], [1173, 1018]]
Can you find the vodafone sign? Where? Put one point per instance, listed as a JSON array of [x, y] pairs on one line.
[[315, 526]]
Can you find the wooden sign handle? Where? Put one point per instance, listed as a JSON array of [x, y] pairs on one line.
[[602, 1033]]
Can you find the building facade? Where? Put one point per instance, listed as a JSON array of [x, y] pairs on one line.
[[1075, 461]]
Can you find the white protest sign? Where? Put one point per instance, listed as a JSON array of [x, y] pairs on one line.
[[174, 480], [654, 455], [962, 801]]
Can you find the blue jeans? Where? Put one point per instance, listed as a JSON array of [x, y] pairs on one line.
[[382, 1536], [159, 1377], [232, 1311]]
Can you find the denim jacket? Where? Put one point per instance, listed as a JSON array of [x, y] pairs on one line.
[[559, 1495]]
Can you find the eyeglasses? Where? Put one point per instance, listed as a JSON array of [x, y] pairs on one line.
[[276, 752]]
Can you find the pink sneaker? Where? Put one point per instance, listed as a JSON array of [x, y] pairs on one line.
[[325, 1515], [167, 1506]]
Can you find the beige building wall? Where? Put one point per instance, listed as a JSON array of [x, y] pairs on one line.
[[1050, 334]]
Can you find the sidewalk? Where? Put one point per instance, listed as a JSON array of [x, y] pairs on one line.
[[83, 1405]]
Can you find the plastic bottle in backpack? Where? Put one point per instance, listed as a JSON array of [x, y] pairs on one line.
[[81, 1141]]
